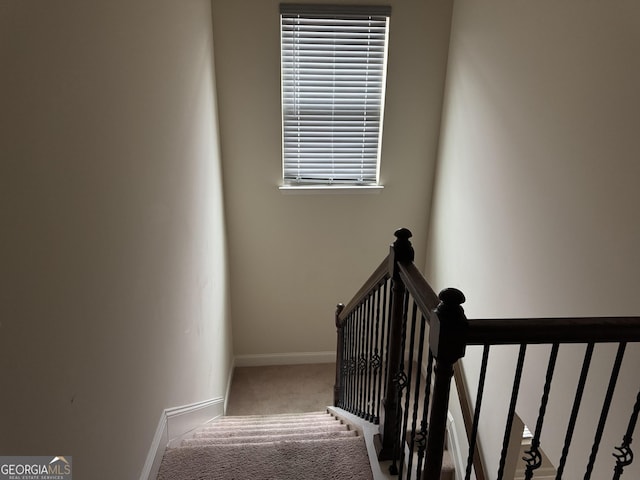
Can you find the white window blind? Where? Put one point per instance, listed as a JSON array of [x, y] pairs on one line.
[[333, 84]]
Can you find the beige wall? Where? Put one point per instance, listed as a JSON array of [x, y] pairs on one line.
[[293, 257], [113, 291], [536, 202]]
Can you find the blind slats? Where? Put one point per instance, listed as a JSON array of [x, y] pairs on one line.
[[333, 80]]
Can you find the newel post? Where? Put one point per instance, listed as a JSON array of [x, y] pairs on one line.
[[401, 251], [337, 387], [447, 340]]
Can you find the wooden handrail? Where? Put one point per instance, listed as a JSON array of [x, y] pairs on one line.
[[378, 276], [553, 330], [423, 295]]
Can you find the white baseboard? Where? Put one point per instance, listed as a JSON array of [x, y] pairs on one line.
[[229, 382], [300, 358], [174, 423], [455, 448]]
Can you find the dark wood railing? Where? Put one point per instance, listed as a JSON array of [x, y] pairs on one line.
[[398, 349]]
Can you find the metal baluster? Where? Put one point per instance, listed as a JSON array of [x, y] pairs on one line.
[[343, 366], [574, 410], [512, 408], [386, 327], [605, 409], [421, 436], [352, 362], [347, 372], [400, 381], [362, 360], [370, 327], [347, 362], [624, 455], [407, 395], [476, 415], [375, 360], [416, 395], [359, 358], [533, 458]]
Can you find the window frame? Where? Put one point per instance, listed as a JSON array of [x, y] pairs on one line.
[[361, 116]]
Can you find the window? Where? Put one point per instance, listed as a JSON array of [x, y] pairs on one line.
[[333, 82]]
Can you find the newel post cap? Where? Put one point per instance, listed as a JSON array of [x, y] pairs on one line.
[[448, 333], [451, 297], [403, 234], [402, 248]]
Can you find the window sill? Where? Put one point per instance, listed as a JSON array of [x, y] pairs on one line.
[[329, 189]]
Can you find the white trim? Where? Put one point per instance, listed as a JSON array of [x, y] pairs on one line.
[[156, 451], [299, 358], [181, 420], [175, 423], [229, 381], [329, 189], [367, 429], [454, 447]]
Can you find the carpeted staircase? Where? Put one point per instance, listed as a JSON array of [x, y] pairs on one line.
[[310, 446]]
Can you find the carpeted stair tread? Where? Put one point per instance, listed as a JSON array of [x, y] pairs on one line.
[[189, 442], [231, 432], [338, 458], [277, 416], [266, 425], [273, 429], [288, 421]]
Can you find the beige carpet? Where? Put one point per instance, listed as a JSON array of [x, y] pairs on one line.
[[281, 389], [311, 446]]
